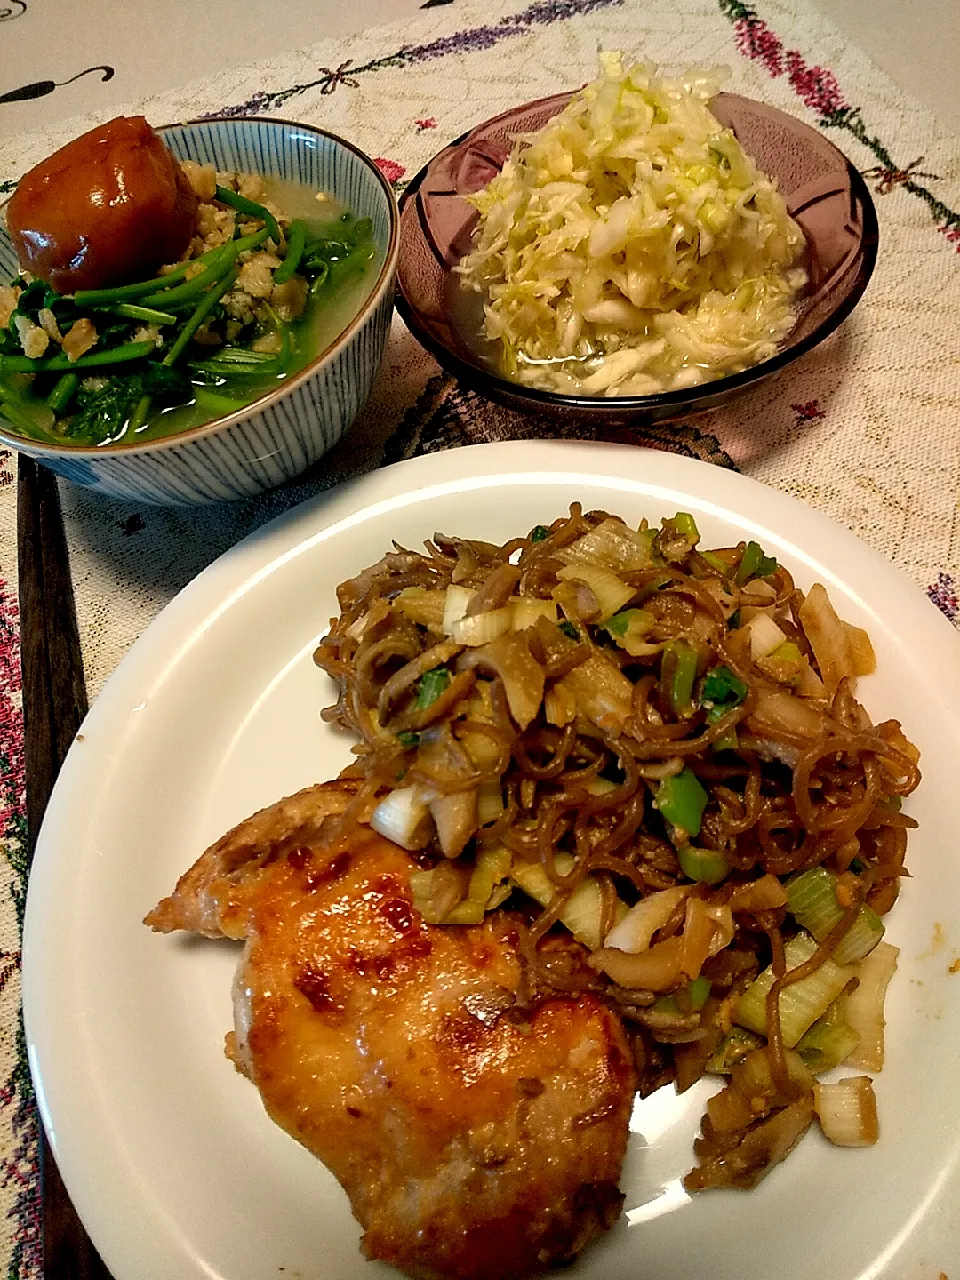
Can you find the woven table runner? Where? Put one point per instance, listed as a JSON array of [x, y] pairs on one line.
[[866, 428]]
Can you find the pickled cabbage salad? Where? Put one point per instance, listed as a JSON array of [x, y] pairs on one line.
[[630, 246]]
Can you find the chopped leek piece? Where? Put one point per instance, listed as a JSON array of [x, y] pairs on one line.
[[812, 901], [430, 686], [456, 603], [708, 866], [784, 664], [802, 1002], [847, 1111], [634, 931], [733, 1048], [492, 868], [685, 525], [401, 816], [765, 636], [469, 911], [630, 628], [865, 1006], [715, 562], [437, 892], [682, 800], [611, 592], [581, 912], [828, 1042], [678, 536]]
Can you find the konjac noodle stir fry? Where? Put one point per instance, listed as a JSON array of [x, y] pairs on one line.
[[658, 749]]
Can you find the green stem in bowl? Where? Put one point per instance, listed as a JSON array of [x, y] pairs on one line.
[[62, 393], [204, 307], [99, 360], [252, 209], [296, 240]]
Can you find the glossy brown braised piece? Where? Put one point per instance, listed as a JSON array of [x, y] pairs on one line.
[[111, 206], [474, 1139]]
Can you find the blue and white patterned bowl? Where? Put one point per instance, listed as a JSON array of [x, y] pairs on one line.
[[278, 436]]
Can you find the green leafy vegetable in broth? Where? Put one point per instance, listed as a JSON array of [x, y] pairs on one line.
[[256, 297]]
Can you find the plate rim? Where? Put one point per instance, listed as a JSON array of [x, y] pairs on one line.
[[232, 575]]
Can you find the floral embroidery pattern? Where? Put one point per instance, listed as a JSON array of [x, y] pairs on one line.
[[19, 1167], [392, 171], [472, 40], [945, 594], [809, 411], [818, 89]]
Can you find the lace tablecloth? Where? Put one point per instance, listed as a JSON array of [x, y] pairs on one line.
[[865, 428]]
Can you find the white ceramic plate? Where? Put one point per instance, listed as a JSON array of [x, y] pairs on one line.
[[168, 1153]]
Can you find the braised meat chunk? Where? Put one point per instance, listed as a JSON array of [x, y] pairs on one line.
[[476, 1135]]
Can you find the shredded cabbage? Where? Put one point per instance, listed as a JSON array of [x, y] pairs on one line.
[[630, 246]]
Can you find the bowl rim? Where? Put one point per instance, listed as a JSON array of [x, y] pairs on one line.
[[43, 449], [481, 379]]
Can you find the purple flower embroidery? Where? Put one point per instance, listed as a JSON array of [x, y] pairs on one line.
[[755, 40], [943, 593], [392, 171], [816, 86]]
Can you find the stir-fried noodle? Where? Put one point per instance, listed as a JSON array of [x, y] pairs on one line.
[[660, 748]]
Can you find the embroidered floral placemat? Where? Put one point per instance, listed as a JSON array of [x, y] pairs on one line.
[[866, 428]]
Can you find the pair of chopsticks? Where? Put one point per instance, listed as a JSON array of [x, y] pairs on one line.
[[54, 704]]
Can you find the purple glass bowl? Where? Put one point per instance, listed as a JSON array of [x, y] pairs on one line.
[[824, 193]]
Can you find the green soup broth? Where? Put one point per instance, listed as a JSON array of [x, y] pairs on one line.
[[332, 303]]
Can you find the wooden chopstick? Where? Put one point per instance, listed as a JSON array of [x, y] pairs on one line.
[[54, 704]]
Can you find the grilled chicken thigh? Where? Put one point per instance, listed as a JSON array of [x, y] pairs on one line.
[[473, 1141]]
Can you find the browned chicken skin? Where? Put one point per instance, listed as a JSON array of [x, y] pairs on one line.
[[472, 1143]]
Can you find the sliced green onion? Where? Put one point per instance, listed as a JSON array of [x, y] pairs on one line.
[[682, 800], [539, 532], [812, 901], [722, 686], [582, 912], [681, 666], [707, 866], [296, 239], [801, 1003], [430, 686], [254, 210], [827, 1044], [847, 1111], [754, 564]]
